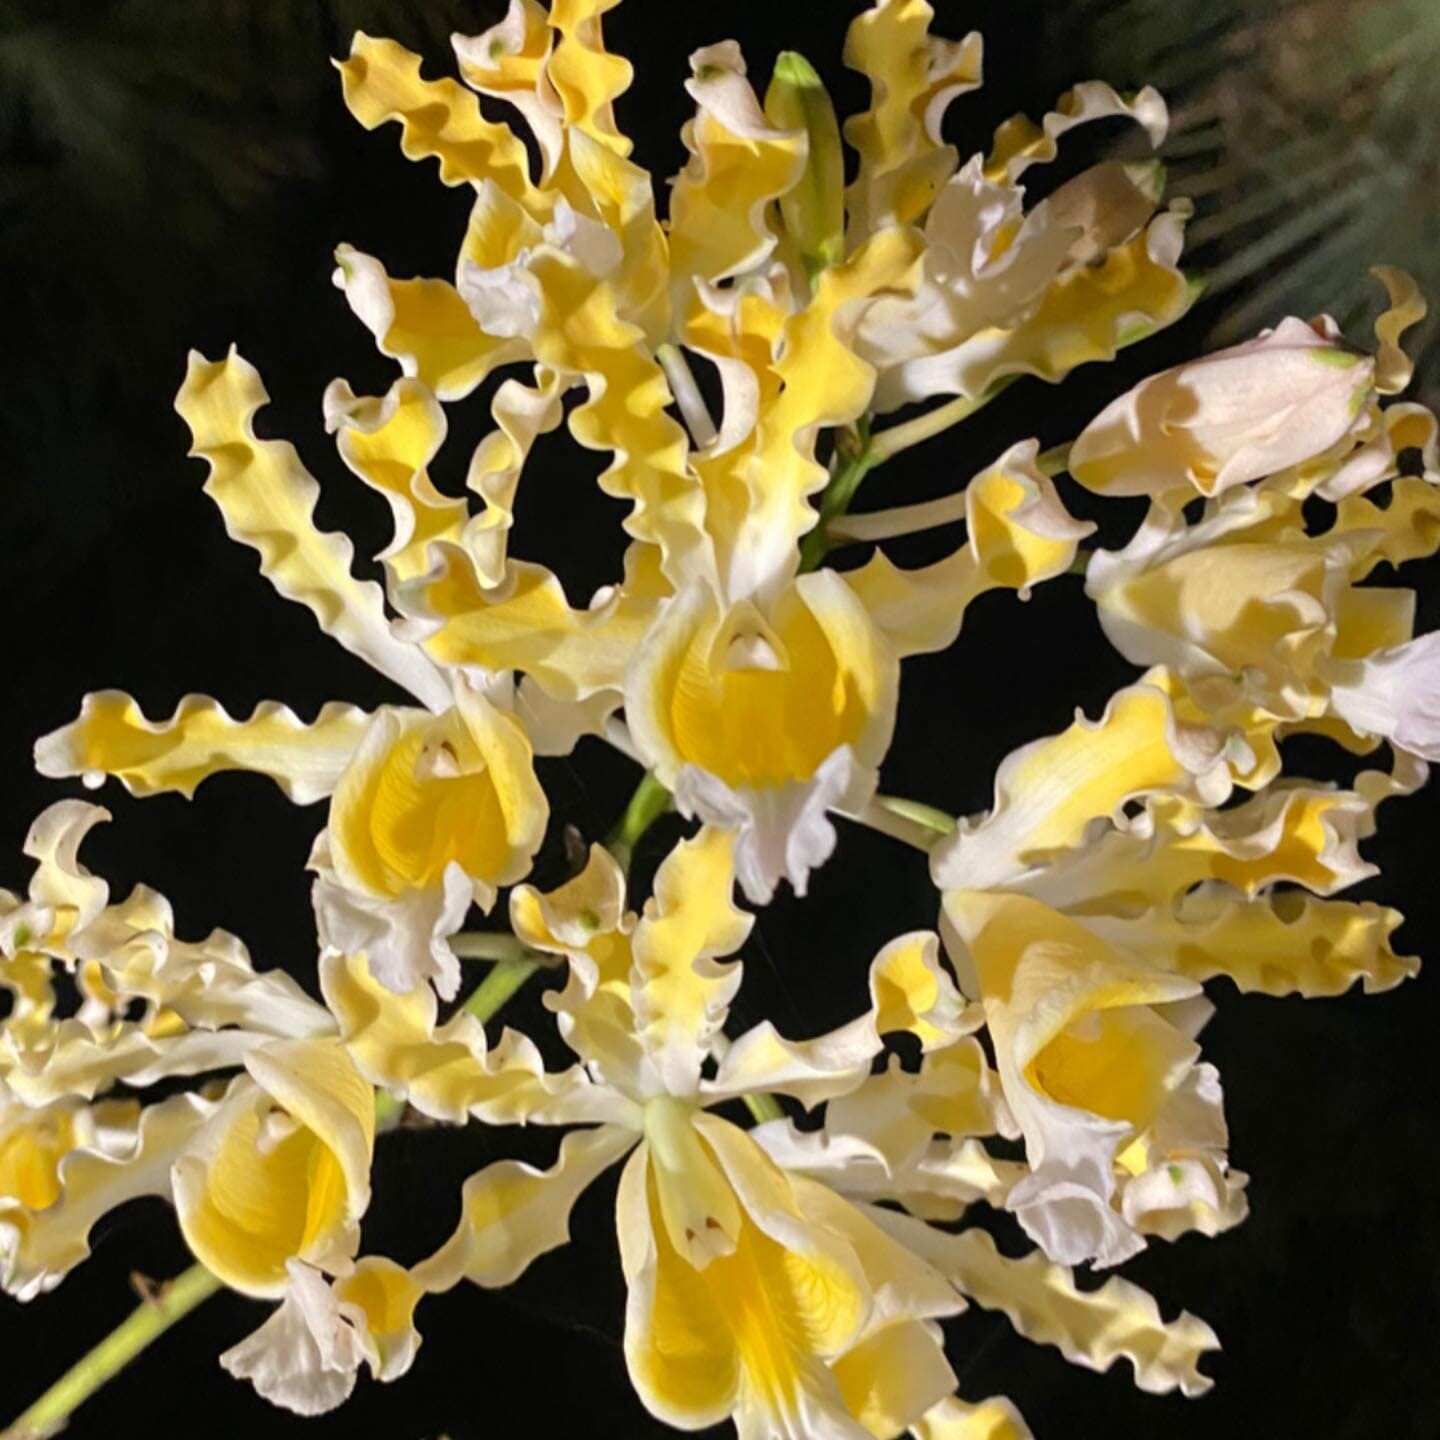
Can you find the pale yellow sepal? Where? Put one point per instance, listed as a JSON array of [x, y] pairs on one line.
[[1093, 1328], [1049, 792], [1019, 534], [112, 736], [268, 500], [757, 494], [508, 61], [1393, 367], [739, 163], [65, 1165], [681, 994], [522, 413], [447, 1072], [587, 77], [524, 622], [910, 992]]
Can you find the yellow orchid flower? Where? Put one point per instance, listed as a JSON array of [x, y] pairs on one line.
[[433, 808], [281, 1171], [272, 1172], [203, 1005], [1086, 931], [761, 721], [790, 1277], [1265, 619], [714, 1236], [1260, 618]]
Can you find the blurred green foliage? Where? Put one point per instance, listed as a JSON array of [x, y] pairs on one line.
[[146, 147], [1308, 134]]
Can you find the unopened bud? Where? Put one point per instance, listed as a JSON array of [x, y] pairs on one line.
[[814, 209]]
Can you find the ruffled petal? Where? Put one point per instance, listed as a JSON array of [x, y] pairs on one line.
[[681, 993], [304, 1358], [65, 1165], [739, 163], [381, 82], [913, 78], [1091, 1328], [1048, 792], [268, 499], [424, 324], [955, 1419], [447, 1072], [512, 1213], [909, 992], [112, 736], [525, 623], [1019, 534], [389, 441]]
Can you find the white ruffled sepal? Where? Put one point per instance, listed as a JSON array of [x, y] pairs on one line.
[[305, 1356], [781, 832], [405, 939]]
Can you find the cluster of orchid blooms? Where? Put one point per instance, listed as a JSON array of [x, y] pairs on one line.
[[790, 1278]]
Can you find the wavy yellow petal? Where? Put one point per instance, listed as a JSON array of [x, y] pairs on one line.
[[681, 994], [913, 77], [381, 82], [111, 736], [388, 442], [267, 499], [424, 324]]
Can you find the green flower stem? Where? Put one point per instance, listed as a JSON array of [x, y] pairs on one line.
[[1055, 460], [687, 395], [929, 816], [650, 801], [763, 1107], [890, 442], [504, 979], [912, 824], [835, 500], [489, 945], [47, 1416]]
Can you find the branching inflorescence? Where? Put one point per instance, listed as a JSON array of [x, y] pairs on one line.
[[789, 1279]]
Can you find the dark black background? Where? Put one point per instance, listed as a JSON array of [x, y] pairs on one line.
[[116, 572]]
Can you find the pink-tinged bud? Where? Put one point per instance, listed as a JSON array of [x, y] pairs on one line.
[[1230, 418]]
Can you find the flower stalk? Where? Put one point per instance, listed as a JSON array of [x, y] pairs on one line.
[[146, 1324]]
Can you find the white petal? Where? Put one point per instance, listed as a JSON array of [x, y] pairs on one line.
[[404, 939], [783, 832], [305, 1356]]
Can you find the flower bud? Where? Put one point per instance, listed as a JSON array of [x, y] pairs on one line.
[[814, 210], [1232, 417]]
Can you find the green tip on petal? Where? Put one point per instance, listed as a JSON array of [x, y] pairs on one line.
[[792, 68], [814, 209]]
